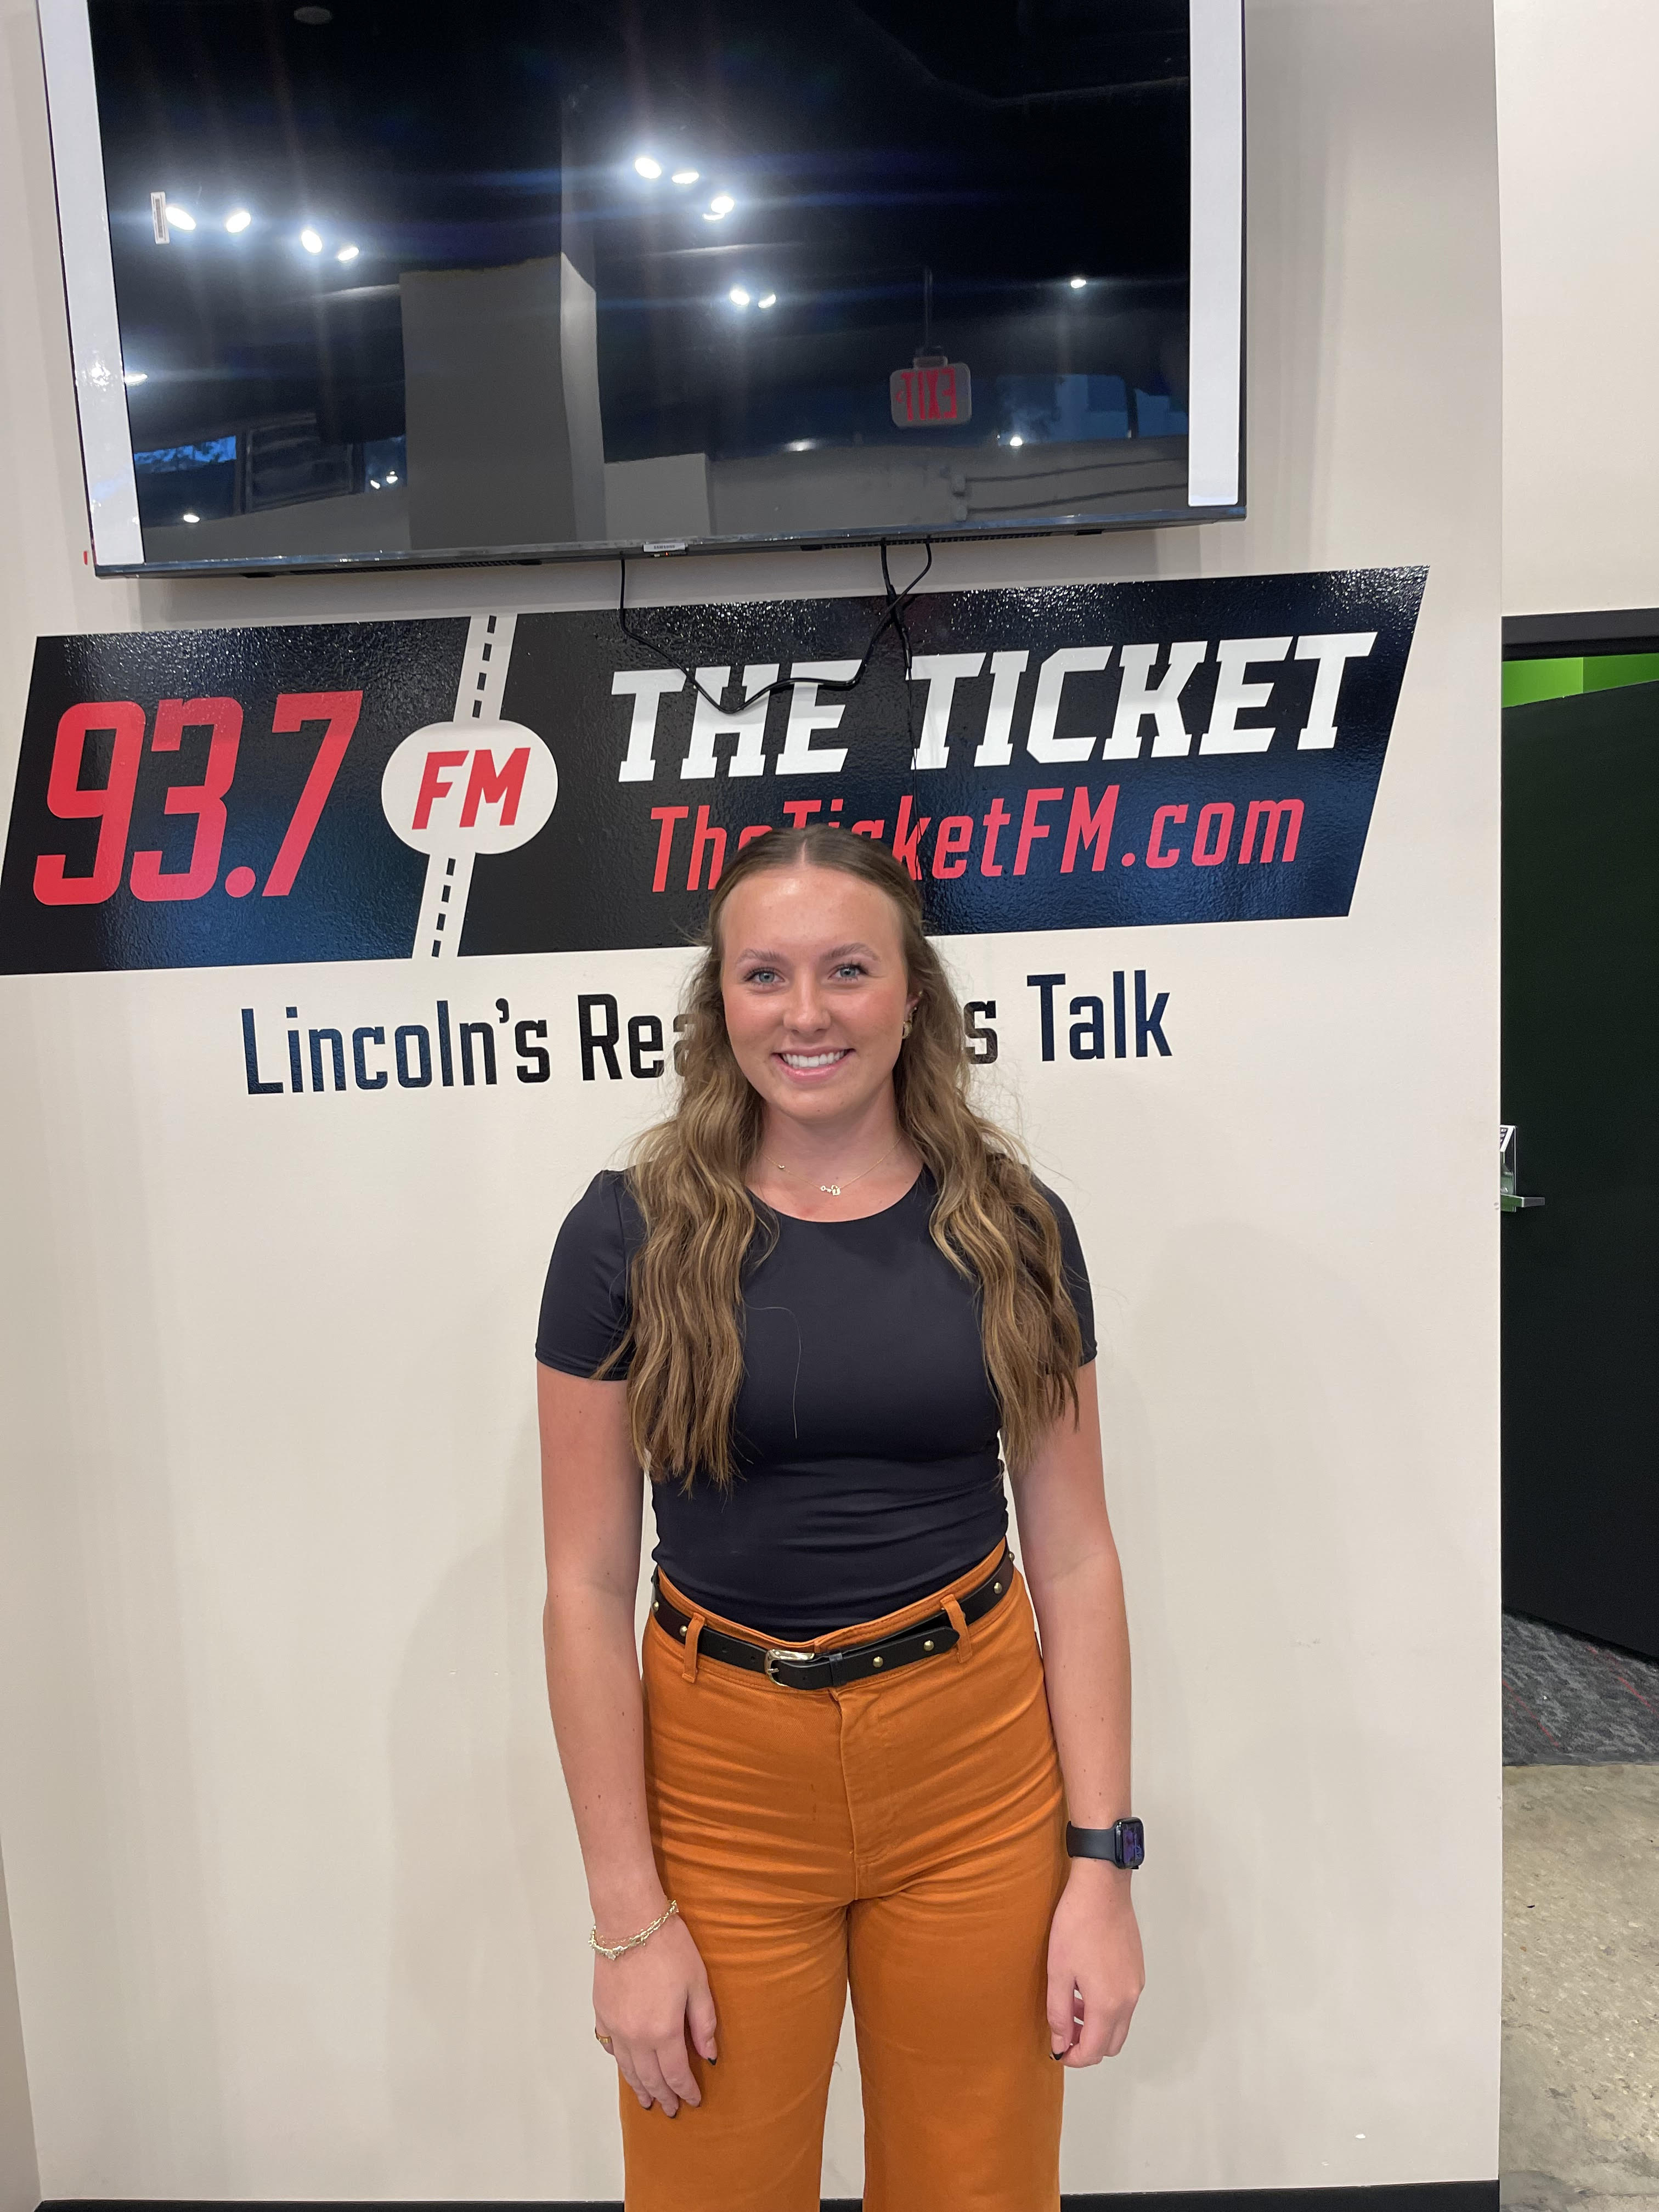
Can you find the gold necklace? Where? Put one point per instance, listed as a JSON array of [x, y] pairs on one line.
[[835, 1189]]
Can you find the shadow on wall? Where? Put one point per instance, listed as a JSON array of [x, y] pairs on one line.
[[493, 2077], [1309, 1694], [110, 1853], [1290, 202], [20, 2181]]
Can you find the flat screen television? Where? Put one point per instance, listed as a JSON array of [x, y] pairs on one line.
[[377, 282]]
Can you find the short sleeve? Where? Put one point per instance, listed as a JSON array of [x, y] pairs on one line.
[[1077, 1271], [585, 1313]]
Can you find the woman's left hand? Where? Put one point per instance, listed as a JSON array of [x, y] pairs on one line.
[[1096, 1972]]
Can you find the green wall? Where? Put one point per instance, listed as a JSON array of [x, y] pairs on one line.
[[1527, 680]]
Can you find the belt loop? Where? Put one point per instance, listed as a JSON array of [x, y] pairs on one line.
[[690, 1667], [958, 1621]]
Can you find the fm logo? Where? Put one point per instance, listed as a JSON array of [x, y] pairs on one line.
[[453, 790]]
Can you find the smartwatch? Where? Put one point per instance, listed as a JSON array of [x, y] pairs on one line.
[[1124, 1843]]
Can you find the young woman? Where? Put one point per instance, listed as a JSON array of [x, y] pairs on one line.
[[809, 1310]]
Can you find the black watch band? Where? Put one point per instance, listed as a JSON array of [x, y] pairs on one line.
[[1123, 1844]]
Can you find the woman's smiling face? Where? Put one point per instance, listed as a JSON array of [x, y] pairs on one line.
[[815, 990]]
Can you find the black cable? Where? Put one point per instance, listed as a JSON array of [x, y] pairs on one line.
[[897, 601], [1059, 469], [896, 606], [1055, 519]]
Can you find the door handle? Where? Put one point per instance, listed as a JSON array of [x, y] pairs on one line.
[[1510, 1200]]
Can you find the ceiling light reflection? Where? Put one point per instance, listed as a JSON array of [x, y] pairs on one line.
[[767, 300], [1077, 283], [737, 296], [347, 253], [685, 176], [189, 515], [311, 242], [135, 376], [645, 167], [178, 219], [237, 221]]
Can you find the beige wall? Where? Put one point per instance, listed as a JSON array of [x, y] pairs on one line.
[[295, 1898], [1578, 152]]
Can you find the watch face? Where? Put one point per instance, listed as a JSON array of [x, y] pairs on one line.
[[1133, 1839]]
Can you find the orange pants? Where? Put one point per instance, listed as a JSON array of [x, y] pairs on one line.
[[905, 1835]]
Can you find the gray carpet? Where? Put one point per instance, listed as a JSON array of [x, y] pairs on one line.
[[1571, 1702]]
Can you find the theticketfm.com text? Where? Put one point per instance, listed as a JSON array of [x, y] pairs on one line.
[[1049, 825]]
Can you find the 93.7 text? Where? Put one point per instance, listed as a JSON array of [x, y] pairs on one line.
[[122, 724]]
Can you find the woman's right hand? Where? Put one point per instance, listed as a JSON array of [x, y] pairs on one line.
[[646, 2002]]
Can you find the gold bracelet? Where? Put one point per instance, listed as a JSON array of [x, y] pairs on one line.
[[615, 1950]]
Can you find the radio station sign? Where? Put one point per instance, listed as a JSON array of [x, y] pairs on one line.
[[1068, 757]]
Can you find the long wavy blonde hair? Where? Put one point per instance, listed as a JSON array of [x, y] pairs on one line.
[[704, 1228]]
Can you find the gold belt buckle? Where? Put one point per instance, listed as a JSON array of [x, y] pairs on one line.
[[802, 1658]]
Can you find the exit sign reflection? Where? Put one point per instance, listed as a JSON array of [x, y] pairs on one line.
[[930, 394]]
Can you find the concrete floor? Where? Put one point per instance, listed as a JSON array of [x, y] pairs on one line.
[[1580, 2118]]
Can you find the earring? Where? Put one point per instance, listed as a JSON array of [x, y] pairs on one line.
[[910, 1024]]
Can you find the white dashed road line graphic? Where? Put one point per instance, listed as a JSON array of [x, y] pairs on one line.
[[477, 784], [477, 699]]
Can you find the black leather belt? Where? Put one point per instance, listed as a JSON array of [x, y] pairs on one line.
[[827, 1670]]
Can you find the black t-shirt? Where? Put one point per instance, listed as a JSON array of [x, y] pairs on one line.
[[865, 1428]]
